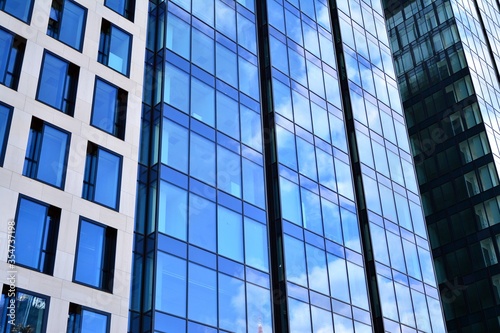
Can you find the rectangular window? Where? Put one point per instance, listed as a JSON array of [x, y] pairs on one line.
[[46, 154], [18, 9], [36, 230], [122, 7], [109, 108], [57, 83], [67, 23], [114, 48], [95, 255], [101, 181], [11, 58], [31, 311], [5, 117], [82, 319]]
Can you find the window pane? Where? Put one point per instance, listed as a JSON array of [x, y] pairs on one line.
[[316, 269], [202, 222], [53, 152], [72, 25], [119, 50], [90, 254], [93, 322], [32, 309], [226, 65], [290, 201], [204, 9], [246, 33], [256, 249], [202, 102], [170, 292], [203, 51], [202, 295], [176, 88], [178, 35], [107, 179], [251, 130], [295, 260], [300, 316], [172, 212], [253, 178], [350, 230], [225, 19], [30, 228], [229, 234], [202, 159], [228, 171], [259, 306], [331, 220], [311, 211], [232, 304], [174, 145], [5, 115], [109, 108], [357, 284], [52, 81], [228, 117], [19, 9]]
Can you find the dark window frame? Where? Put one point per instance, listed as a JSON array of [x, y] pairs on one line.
[[50, 236], [75, 310], [30, 10], [32, 161], [106, 33], [54, 27], [67, 104], [7, 293], [107, 271], [90, 175], [3, 146], [14, 62], [120, 120], [128, 10]]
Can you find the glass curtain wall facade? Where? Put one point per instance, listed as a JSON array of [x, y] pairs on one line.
[[276, 190], [447, 57]]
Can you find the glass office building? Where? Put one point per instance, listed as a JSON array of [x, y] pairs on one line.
[[276, 189], [447, 62]]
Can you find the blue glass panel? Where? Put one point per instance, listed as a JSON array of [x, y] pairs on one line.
[[426, 265], [119, 50], [421, 312], [279, 56], [248, 78], [406, 313], [229, 234], [226, 65], [90, 254], [325, 169], [202, 295], [246, 34], [203, 51], [72, 24], [228, 117], [52, 161], [5, 51], [344, 179], [396, 252], [178, 35], [331, 221], [19, 9], [202, 159], [202, 224], [170, 292], [30, 230], [295, 260], [232, 304], [259, 308], [4, 126], [174, 145], [350, 230], [104, 106], [253, 178], [172, 211], [293, 27], [311, 212], [52, 81], [357, 284], [204, 9], [290, 201], [225, 19], [321, 320], [117, 5], [306, 158], [411, 258], [107, 179], [403, 211], [251, 129], [176, 88], [228, 171], [317, 269], [275, 13], [387, 298], [256, 248], [379, 244], [302, 110], [339, 286], [202, 102], [299, 316], [93, 322], [286, 147]]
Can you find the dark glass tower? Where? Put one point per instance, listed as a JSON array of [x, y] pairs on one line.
[[447, 58], [277, 191]]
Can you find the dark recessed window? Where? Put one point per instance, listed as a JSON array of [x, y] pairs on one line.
[[31, 311], [47, 153], [5, 117], [114, 48], [17, 8], [95, 255], [101, 182], [37, 225], [82, 319], [57, 83], [11, 58], [109, 108], [67, 23], [122, 7]]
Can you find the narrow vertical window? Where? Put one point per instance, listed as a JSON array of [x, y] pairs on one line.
[[11, 58], [5, 118], [114, 48], [95, 255], [19, 9], [37, 226], [109, 108], [67, 23], [125, 8], [46, 154]]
